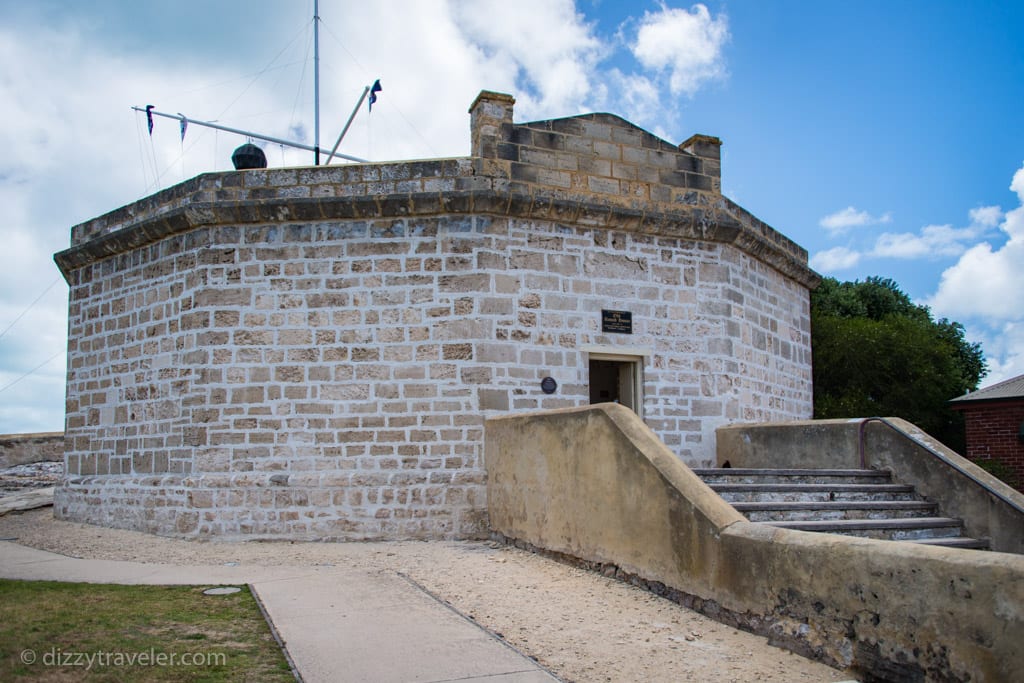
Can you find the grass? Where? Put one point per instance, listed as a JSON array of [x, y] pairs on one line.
[[51, 631]]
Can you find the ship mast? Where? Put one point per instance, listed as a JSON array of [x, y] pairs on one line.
[[151, 112], [316, 82]]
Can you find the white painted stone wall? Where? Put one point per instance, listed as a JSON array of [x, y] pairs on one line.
[[330, 380]]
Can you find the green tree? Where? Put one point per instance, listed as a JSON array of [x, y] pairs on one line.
[[876, 352]]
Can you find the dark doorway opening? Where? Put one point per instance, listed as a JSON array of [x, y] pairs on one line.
[[615, 381]]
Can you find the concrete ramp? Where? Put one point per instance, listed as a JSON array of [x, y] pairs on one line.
[[595, 484]]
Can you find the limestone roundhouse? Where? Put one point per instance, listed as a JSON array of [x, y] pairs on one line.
[[311, 352]]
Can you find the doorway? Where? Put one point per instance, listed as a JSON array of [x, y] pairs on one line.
[[617, 380]]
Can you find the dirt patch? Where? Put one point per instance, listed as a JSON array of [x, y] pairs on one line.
[[579, 624]]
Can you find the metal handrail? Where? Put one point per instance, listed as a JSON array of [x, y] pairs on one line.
[[933, 452]]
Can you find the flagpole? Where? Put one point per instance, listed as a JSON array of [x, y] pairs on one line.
[[316, 82], [216, 126]]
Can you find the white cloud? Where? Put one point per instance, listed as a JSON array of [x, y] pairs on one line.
[[932, 242], [986, 216], [835, 259], [1004, 349], [431, 68], [547, 44], [1017, 184], [984, 282], [844, 219], [987, 281], [688, 44], [638, 97]]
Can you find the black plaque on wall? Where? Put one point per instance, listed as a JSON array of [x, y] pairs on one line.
[[617, 322]]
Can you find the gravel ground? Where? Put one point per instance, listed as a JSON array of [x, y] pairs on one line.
[[579, 624]]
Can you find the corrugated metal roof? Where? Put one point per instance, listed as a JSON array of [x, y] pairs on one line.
[[1007, 389]]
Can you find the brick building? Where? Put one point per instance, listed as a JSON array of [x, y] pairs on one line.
[[994, 423], [311, 352]]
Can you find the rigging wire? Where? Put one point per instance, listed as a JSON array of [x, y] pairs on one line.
[[142, 154], [29, 308], [302, 78], [391, 102], [32, 371], [15, 321], [219, 85], [156, 167], [256, 76], [148, 159], [260, 73]]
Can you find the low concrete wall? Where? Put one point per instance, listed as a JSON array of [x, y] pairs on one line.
[[890, 611], [20, 449], [797, 444], [990, 509], [595, 483]]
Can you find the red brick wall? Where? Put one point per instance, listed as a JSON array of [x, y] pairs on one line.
[[992, 433]]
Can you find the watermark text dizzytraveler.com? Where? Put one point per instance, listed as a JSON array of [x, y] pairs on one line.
[[58, 657]]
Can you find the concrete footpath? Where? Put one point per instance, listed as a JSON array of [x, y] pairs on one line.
[[337, 624]]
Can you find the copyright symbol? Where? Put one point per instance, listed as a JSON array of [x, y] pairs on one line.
[[28, 656]]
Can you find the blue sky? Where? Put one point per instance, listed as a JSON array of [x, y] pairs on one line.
[[884, 137]]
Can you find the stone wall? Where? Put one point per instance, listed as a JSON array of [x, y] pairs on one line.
[[20, 449], [311, 352]]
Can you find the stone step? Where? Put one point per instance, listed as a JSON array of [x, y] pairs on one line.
[[852, 502], [906, 529], [734, 493], [727, 475], [835, 509]]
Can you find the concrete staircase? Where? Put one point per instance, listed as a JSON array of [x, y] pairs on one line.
[[863, 503]]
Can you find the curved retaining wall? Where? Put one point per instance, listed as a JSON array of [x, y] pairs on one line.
[[596, 484]]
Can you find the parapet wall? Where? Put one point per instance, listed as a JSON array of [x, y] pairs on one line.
[[595, 484], [595, 170]]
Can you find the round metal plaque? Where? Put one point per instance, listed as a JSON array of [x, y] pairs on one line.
[[548, 385]]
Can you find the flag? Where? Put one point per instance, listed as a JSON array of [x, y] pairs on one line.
[[373, 92], [149, 118], [184, 125]]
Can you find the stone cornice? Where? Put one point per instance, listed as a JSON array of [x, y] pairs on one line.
[[712, 219]]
